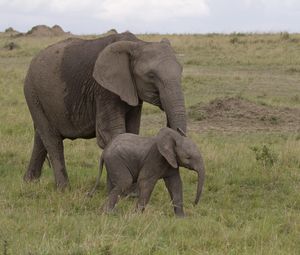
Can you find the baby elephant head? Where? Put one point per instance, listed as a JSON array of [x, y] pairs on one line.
[[179, 150]]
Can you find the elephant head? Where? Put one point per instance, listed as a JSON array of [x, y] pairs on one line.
[[137, 70], [179, 150]]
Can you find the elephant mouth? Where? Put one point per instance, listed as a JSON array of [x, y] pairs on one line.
[[157, 102], [154, 99]]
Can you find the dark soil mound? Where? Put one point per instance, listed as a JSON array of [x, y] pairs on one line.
[[112, 31], [43, 30], [234, 114], [57, 30]]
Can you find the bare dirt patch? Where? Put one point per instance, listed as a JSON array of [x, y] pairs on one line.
[[236, 114]]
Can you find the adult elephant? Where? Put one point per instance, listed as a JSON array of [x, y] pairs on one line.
[[95, 88]]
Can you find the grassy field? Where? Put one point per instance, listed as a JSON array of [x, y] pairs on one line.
[[251, 201]]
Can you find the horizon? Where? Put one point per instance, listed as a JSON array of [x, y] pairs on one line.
[[237, 33], [154, 16]]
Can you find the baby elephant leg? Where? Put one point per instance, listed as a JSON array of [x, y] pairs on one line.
[[115, 193], [120, 181], [112, 199], [145, 188], [174, 186], [109, 185]]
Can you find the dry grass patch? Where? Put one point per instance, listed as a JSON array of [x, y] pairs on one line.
[[237, 114]]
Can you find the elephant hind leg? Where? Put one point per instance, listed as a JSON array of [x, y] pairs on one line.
[[119, 187], [54, 146], [49, 137], [38, 156], [113, 198]]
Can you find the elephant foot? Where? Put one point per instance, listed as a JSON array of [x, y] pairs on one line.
[[107, 209], [31, 176], [61, 180], [179, 213], [139, 208], [62, 186], [90, 194], [132, 192]]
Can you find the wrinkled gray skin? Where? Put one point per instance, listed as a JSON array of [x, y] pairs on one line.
[[131, 158], [95, 88]]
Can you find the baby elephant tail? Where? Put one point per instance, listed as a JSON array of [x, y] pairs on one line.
[[101, 163]]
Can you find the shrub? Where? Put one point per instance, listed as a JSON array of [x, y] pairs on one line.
[[264, 155], [284, 36], [234, 40], [11, 46]]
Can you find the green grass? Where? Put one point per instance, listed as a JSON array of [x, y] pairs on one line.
[[249, 206]]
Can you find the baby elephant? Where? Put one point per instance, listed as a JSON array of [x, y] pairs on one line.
[[132, 159]]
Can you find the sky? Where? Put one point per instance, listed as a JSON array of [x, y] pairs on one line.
[[153, 16]]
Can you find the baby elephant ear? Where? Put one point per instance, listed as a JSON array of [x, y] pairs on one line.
[[166, 146]]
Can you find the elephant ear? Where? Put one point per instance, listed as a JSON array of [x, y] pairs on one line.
[[112, 71], [166, 146]]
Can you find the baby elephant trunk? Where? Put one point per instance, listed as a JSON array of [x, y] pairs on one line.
[[201, 177]]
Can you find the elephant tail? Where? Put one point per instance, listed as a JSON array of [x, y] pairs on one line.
[[101, 163], [48, 160]]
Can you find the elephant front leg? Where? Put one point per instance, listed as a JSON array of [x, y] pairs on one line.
[[110, 122], [145, 188], [133, 119], [174, 186], [133, 122]]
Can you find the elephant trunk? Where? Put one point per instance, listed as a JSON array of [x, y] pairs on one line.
[[173, 104], [201, 177]]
